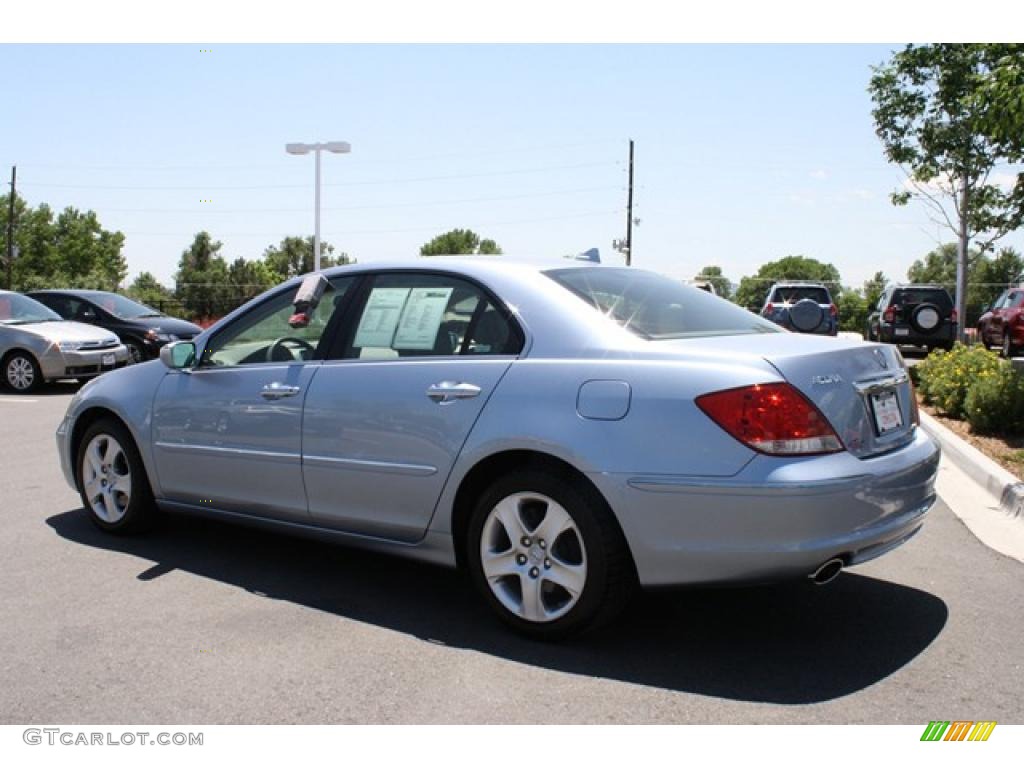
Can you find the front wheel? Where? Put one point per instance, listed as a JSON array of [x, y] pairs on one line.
[[21, 372], [112, 479], [1009, 349], [548, 555]]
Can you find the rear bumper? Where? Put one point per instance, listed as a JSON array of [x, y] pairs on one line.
[[906, 334], [776, 519]]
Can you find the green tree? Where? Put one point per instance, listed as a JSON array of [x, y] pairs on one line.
[[459, 241], [201, 282], [147, 289], [251, 278], [752, 290], [992, 277], [942, 113], [713, 274], [853, 310], [873, 289], [69, 250], [294, 256]]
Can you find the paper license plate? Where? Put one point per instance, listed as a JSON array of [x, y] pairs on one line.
[[886, 409], [902, 331], [108, 359]]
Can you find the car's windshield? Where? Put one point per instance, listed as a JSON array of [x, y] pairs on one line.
[[656, 307], [119, 306], [16, 309], [791, 294]]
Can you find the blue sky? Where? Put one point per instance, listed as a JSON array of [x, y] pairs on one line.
[[744, 153]]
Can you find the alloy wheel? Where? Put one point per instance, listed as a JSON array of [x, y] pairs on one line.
[[106, 478], [21, 373], [533, 557]]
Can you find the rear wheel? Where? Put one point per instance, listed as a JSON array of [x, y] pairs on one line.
[[547, 555], [112, 480], [21, 372]]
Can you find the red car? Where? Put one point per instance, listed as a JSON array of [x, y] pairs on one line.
[[1003, 324]]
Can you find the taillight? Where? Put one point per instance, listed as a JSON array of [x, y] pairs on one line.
[[771, 418], [915, 414], [953, 316], [769, 308], [834, 310], [889, 315]]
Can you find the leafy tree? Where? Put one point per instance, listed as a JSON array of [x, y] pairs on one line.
[[752, 290], [853, 310], [459, 241], [986, 277], [946, 114], [873, 290], [147, 289], [992, 277], [202, 279], [251, 278], [69, 250], [294, 256], [713, 274]]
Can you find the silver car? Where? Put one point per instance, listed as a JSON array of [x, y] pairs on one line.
[[563, 433], [37, 345]]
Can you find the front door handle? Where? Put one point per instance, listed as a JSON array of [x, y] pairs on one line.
[[277, 390], [450, 391]]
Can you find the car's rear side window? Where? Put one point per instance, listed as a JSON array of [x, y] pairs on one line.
[[656, 307]]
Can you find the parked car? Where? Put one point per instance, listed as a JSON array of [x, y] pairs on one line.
[[802, 307], [143, 330], [36, 345], [914, 315], [563, 433], [1002, 325]]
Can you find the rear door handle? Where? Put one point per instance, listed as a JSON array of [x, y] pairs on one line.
[[276, 390], [450, 391]]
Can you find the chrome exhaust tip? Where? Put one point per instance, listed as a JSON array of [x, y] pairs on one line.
[[827, 571]]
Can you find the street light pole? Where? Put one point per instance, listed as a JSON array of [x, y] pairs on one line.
[[338, 147]]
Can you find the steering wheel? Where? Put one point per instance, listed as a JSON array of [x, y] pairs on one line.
[[284, 344]]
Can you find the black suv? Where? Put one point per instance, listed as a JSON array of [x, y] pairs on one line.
[[803, 307], [141, 329], [918, 315]]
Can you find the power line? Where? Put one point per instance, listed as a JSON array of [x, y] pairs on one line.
[[214, 188]]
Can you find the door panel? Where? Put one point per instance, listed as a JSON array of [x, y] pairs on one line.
[[219, 441], [377, 448]]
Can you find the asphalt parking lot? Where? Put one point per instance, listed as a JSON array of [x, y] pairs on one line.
[[202, 622]]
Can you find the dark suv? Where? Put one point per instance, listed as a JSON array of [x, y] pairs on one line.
[[141, 329], [918, 315], [802, 307]]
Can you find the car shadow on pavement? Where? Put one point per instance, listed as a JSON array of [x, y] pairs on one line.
[[784, 644]]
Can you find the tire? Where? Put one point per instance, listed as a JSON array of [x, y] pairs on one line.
[[135, 353], [112, 480], [1008, 350], [806, 315], [926, 318], [21, 372], [580, 579]]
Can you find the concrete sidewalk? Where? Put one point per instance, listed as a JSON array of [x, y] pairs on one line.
[[988, 499]]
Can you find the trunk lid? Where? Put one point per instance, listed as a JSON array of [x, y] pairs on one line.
[[863, 389]]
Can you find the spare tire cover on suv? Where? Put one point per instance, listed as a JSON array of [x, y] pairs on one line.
[[805, 315], [926, 318]]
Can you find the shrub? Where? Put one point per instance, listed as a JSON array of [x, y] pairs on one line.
[[946, 377], [995, 403]]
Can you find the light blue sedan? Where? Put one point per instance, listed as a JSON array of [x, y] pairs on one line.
[[564, 432]]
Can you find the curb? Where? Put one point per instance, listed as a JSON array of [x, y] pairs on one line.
[[984, 471]]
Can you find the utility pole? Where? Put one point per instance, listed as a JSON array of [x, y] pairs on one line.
[[10, 230], [629, 210], [961, 261]]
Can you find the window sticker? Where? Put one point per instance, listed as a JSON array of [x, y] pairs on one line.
[[421, 318], [380, 318]]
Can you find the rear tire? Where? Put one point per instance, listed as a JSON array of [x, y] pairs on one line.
[[112, 481], [547, 555], [1009, 350]]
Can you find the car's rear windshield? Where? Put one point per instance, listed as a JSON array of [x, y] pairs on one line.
[[793, 293], [657, 307], [938, 296]]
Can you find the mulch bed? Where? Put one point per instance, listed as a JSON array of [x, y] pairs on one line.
[[1006, 451]]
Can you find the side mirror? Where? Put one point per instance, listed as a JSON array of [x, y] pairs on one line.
[[178, 355]]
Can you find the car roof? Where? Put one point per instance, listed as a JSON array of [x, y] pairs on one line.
[[74, 291]]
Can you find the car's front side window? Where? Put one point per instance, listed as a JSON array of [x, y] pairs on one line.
[[265, 335]]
